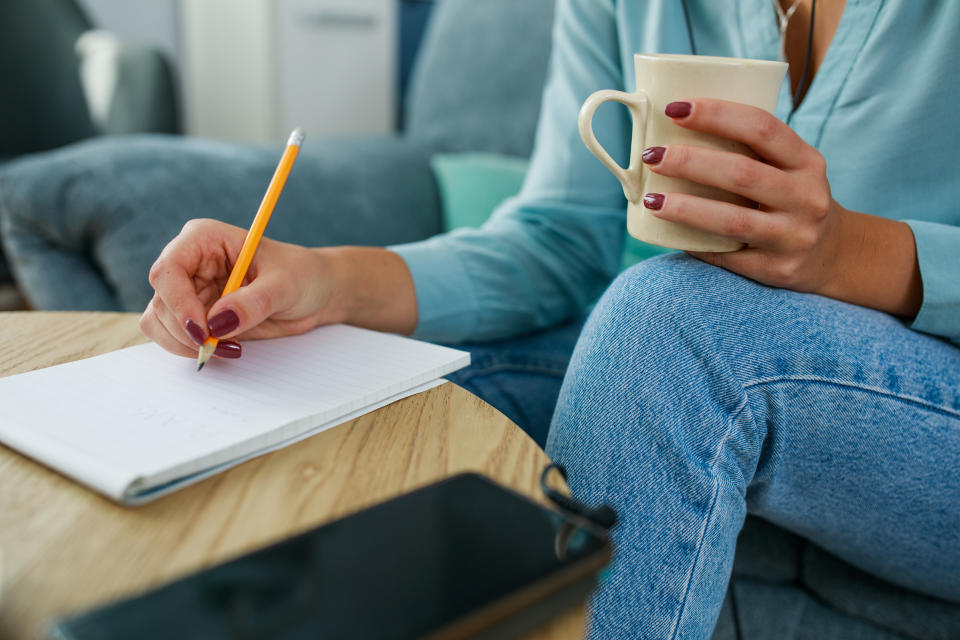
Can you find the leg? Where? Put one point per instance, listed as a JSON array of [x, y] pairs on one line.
[[695, 395], [83, 224], [521, 377]]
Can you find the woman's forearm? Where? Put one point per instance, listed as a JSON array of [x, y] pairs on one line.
[[876, 266], [372, 288]]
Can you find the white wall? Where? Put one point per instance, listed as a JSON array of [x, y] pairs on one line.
[[250, 70], [228, 61]]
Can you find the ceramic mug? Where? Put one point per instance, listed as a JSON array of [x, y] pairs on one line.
[[665, 78]]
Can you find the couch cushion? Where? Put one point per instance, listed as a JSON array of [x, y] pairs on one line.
[[82, 225], [790, 588], [472, 185], [862, 596], [479, 76]]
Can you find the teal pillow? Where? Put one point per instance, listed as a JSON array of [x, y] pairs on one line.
[[472, 185]]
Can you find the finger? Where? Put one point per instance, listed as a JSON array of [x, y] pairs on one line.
[[770, 138], [743, 224], [191, 334], [174, 285], [733, 172], [230, 349], [195, 255], [151, 327], [247, 307]]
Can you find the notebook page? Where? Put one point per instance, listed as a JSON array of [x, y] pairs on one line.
[[140, 413], [140, 493]]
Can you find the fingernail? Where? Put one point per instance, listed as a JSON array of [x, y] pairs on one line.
[[678, 109], [223, 323], [653, 155], [228, 349], [653, 201], [197, 334]]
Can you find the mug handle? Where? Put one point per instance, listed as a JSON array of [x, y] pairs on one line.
[[631, 178]]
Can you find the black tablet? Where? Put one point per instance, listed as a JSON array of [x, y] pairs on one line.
[[461, 558]]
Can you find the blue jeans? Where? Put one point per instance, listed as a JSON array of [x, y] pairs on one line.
[[695, 396]]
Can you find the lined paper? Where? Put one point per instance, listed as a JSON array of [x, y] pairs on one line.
[[135, 419]]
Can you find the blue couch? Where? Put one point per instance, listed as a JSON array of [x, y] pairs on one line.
[[82, 226], [45, 105]]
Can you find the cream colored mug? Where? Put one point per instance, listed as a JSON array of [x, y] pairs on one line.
[[665, 78]]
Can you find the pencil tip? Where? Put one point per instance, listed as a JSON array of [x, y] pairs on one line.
[[206, 350]]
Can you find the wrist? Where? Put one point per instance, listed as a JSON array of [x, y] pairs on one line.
[[874, 264], [369, 287], [334, 273], [844, 248]]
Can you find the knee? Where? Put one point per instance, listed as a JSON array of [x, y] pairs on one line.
[[655, 345], [657, 298]]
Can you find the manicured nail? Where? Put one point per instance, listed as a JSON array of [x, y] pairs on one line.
[[653, 201], [223, 323], [678, 109], [653, 155], [197, 334], [228, 349]]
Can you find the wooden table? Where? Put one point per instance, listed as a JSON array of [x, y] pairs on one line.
[[64, 548]]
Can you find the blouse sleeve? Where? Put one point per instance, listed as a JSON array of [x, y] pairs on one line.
[[545, 254], [938, 252]]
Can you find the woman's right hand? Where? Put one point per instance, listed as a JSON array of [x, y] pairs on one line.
[[287, 291]]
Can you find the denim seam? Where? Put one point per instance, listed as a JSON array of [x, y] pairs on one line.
[[709, 519], [703, 532], [853, 385]]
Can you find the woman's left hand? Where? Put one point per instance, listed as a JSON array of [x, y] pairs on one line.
[[794, 234]]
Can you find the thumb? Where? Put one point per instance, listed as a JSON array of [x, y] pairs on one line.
[[245, 308]]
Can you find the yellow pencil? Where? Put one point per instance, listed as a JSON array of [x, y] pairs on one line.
[[252, 241]]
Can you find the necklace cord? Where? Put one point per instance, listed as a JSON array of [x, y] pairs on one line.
[[806, 61], [686, 19], [782, 17]]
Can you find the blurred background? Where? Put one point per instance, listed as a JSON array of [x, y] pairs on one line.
[[237, 70], [244, 70]]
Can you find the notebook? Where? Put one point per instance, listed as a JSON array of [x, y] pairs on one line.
[[139, 423]]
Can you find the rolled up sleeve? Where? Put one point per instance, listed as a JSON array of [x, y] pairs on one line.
[[938, 252]]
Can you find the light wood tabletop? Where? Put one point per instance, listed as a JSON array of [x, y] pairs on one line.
[[64, 548]]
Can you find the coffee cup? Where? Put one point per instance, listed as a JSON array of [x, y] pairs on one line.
[[666, 78]]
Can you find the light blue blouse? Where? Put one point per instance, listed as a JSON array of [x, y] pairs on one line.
[[882, 110]]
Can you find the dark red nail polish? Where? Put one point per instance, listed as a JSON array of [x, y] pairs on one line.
[[197, 334], [223, 323], [653, 201], [678, 109], [228, 349], [653, 155]]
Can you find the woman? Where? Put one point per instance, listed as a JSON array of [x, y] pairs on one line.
[[808, 378]]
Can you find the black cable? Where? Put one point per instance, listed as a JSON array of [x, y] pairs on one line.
[[603, 516], [806, 63], [686, 19]]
